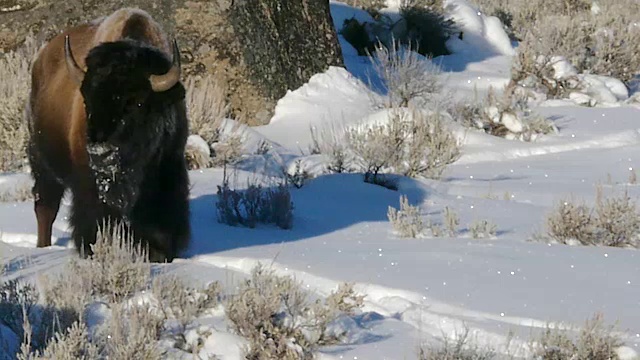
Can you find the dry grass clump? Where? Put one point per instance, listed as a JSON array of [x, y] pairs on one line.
[[614, 221], [280, 321], [595, 341], [15, 72]]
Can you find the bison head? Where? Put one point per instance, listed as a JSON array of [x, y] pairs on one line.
[[126, 83]]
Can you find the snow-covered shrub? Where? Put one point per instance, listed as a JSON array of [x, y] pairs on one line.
[[15, 72], [508, 116], [411, 142], [255, 205], [459, 348], [408, 77], [594, 342], [280, 322], [614, 221], [406, 221], [482, 229]]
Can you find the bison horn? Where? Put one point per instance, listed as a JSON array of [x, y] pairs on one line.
[[166, 81], [74, 69]]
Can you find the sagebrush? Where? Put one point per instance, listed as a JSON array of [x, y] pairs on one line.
[[595, 341], [254, 205], [52, 319], [275, 314], [612, 221], [598, 38], [15, 72]]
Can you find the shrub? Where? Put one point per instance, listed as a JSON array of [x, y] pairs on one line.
[[406, 75], [595, 342], [183, 305], [116, 274], [407, 221], [458, 349], [482, 229], [427, 27], [508, 116], [602, 40], [332, 141], [255, 205], [422, 25], [278, 319], [451, 220], [15, 72], [613, 221], [413, 143]]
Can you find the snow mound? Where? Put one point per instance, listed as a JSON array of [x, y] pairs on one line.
[[481, 34]]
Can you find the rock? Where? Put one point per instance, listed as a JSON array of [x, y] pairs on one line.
[[258, 48]]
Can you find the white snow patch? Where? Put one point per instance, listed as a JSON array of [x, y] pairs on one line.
[[482, 34]]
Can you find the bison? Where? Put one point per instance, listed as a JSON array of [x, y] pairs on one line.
[[107, 120]]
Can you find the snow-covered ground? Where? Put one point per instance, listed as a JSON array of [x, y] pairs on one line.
[[415, 288]]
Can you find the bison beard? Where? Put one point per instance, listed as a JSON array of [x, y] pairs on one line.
[[135, 140]]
